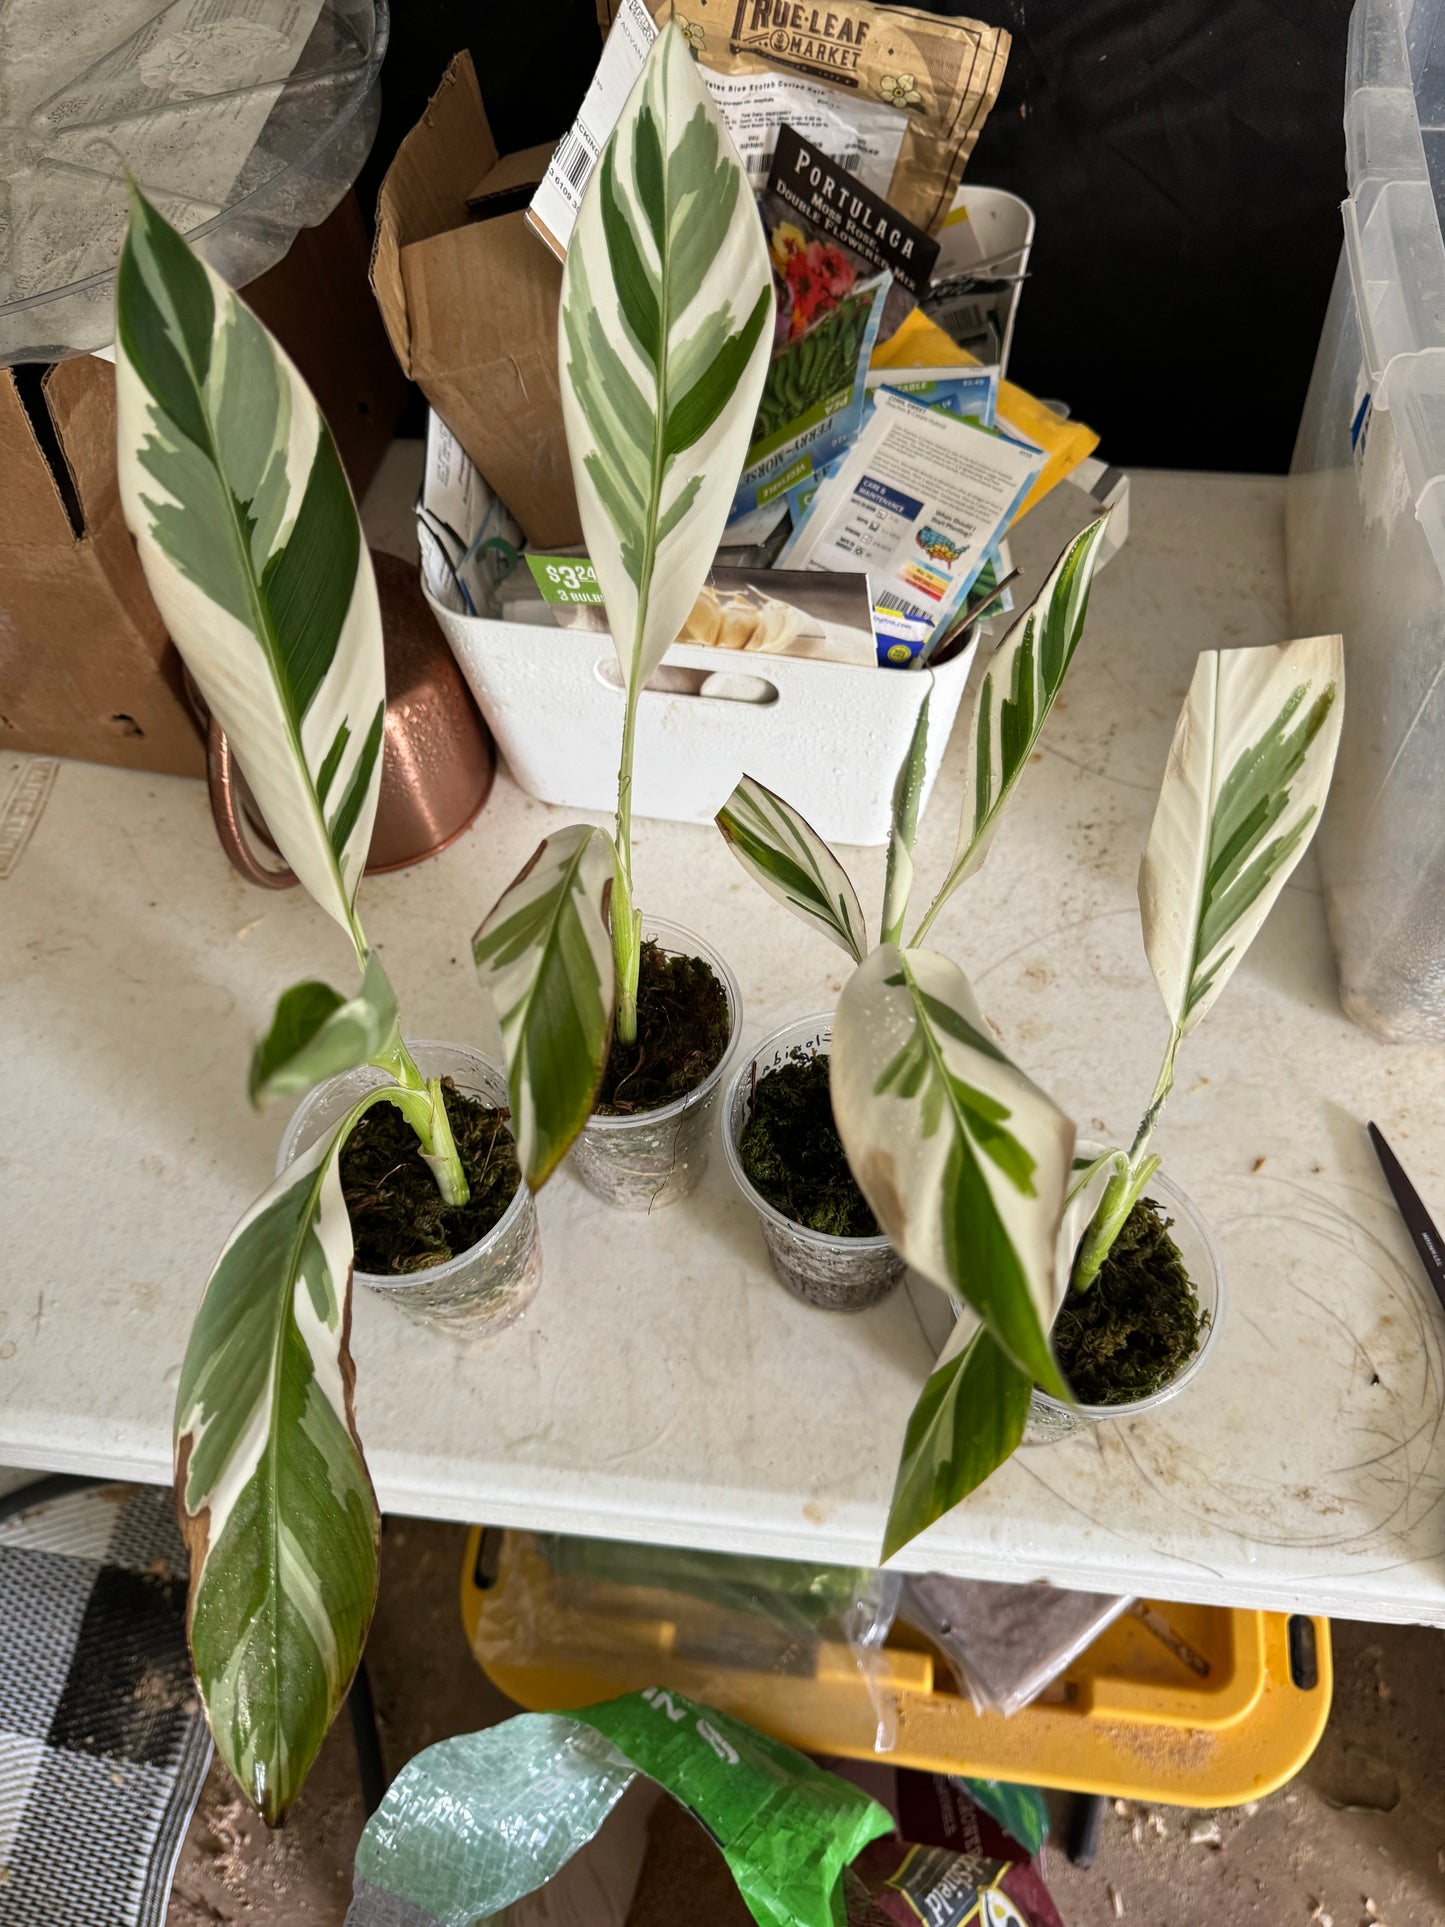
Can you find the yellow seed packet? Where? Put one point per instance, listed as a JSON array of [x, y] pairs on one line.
[[921, 343]]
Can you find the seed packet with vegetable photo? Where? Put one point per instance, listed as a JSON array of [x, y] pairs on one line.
[[814, 205], [812, 403]]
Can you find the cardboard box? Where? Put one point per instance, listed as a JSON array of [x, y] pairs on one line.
[[86, 668], [469, 297]]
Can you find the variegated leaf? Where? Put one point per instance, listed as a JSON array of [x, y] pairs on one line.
[[964, 1160], [275, 1503], [1248, 773], [793, 863], [665, 332], [317, 1033], [248, 536], [907, 788], [969, 1418], [1024, 675], [545, 958]]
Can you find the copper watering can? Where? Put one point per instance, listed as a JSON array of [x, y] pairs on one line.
[[437, 757]]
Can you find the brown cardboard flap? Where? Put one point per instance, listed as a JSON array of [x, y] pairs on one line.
[[85, 668], [489, 367], [512, 171], [426, 187], [471, 307], [80, 395]]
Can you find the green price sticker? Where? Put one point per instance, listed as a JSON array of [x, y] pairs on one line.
[[565, 578]]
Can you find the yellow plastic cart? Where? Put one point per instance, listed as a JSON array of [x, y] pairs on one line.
[[1194, 1705]]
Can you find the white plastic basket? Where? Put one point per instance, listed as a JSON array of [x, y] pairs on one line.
[[828, 736]]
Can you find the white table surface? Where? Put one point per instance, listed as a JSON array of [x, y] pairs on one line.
[[663, 1386]]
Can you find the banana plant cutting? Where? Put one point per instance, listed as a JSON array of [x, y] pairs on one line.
[[967, 1165], [250, 542], [664, 337]]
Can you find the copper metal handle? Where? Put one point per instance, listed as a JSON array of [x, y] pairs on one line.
[[226, 811]]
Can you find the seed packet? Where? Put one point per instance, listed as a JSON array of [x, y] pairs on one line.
[[921, 342], [918, 503], [801, 496], [815, 208], [969, 393], [897, 93], [959, 1854], [901, 639], [812, 401]]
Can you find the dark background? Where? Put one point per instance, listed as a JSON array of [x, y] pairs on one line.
[[1184, 158]]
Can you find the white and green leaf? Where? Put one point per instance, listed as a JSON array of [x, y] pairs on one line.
[[245, 527], [275, 1503], [903, 827], [969, 1418], [793, 863], [665, 331], [317, 1033], [964, 1160], [544, 956], [1023, 679], [1248, 773]]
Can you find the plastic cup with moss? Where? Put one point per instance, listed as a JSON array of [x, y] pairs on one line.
[[787, 1160], [1146, 1325], [470, 1269], [646, 1141]]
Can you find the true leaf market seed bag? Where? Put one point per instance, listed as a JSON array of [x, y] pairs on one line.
[[897, 95]]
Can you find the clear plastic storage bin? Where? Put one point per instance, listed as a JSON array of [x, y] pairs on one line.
[[1366, 526]]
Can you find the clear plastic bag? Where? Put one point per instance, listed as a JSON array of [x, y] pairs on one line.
[[626, 1615], [1005, 1644]]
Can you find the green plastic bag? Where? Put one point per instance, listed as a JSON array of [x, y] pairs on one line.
[[473, 1824]]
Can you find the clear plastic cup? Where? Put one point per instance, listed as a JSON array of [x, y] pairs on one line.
[[483, 1289], [836, 1274], [1049, 1419], [655, 1157]]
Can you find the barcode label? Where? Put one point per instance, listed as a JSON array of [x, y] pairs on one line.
[[898, 605], [555, 204], [573, 162], [758, 166]]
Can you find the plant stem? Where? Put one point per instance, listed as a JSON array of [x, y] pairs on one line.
[[946, 889], [421, 1103], [933, 909], [1126, 1187], [626, 921]]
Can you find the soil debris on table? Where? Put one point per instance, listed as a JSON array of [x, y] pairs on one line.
[[682, 1034], [793, 1156], [398, 1218], [1139, 1323]]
